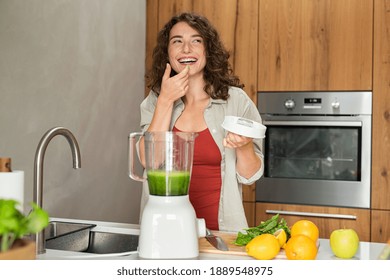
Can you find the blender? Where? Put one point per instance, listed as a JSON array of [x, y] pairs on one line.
[[169, 228]]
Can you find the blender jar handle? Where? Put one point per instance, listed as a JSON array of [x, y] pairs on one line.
[[132, 154]]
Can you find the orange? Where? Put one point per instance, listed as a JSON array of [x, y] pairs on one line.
[[263, 247], [307, 228], [300, 247]]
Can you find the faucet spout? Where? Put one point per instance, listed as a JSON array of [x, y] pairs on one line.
[[38, 171]]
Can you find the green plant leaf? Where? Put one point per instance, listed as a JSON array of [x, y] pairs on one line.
[[37, 220], [14, 225], [269, 226]]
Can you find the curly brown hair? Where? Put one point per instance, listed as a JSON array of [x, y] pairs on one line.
[[218, 73]]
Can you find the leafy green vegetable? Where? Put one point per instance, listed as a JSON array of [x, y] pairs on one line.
[[269, 226], [15, 225]]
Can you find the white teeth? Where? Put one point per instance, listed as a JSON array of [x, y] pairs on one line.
[[187, 60]]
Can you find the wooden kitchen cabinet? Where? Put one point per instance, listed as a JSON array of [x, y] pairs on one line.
[[249, 198], [250, 212], [380, 225], [326, 218], [315, 45]]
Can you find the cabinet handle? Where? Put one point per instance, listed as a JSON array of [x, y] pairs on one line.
[[311, 214]]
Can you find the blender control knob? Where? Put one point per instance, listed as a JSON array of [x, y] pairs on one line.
[[289, 104]]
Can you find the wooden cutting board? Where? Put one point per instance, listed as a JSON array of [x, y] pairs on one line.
[[229, 238]]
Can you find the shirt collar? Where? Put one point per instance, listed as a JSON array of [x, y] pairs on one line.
[[180, 102]]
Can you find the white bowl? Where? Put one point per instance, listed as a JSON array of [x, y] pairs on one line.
[[244, 127]]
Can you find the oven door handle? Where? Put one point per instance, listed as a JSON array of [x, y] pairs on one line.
[[312, 214], [314, 123]]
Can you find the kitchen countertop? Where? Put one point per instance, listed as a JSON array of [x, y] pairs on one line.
[[367, 250]]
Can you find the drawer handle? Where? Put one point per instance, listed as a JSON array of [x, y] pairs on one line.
[[311, 214]]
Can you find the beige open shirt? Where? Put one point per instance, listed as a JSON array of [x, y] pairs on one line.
[[231, 215]]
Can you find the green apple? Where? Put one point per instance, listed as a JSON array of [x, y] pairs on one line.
[[344, 243]]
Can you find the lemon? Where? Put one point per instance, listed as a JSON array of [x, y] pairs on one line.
[[263, 247], [281, 236]]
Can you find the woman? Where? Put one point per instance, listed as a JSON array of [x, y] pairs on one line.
[[192, 90]]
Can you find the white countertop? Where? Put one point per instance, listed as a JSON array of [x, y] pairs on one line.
[[367, 250]]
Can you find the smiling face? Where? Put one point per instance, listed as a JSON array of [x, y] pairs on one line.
[[186, 47]]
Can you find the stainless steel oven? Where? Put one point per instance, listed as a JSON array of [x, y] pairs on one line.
[[317, 149]]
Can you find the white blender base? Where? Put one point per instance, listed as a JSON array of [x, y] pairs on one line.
[[169, 229]]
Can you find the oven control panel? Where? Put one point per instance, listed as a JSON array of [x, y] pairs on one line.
[[315, 103]]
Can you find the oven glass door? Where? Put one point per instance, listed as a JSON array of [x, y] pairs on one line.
[[309, 151], [313, 161]]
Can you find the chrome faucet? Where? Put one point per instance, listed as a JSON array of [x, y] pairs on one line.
[[38, 171]]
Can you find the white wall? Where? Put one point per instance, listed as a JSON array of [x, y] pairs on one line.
[[77, 64]]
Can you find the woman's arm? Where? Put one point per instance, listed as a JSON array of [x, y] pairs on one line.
[[248, 162]]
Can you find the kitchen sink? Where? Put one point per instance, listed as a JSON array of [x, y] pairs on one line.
[[57, 229], [109, 242], [86, 238]]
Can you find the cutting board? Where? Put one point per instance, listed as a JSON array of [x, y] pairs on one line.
[[229, 238]]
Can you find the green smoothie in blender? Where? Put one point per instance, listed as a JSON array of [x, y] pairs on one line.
[[164, 183]]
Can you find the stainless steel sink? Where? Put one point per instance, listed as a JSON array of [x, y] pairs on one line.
[[57, 229], [108, 242], [84, 238]]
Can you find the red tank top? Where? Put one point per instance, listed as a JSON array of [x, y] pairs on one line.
[[205, 185]]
